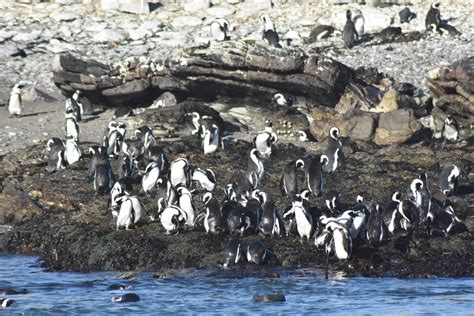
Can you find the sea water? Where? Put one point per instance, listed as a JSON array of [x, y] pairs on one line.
[[218, 291]]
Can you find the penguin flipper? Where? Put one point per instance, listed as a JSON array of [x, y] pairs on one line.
[[281, 185]]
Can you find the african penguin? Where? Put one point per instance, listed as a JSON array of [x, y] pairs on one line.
[[410, 212], [349, 33], [375, 231], [270, 34], [83, 102], [72, 126], [219, 28], [238, 187], [334, 150], [289, 179], [52, 142], [238, 220], [180, 172], [270, 223], [433, 17], [341, 240], [211, 140], [304, 221], [406, 15], [14, 102], [315, 173], [6, 302], [172, 218], [213, 221], [101, 171], [450, 130], [388, 34], [72, 153], [204, 180], [150, 178], [265, 140], [321, 32], [281, 100], [257, 252], [449, 180], [233, 252], [56, 160], [359, 21], [186, 204], [415, 193], [130, 212], [255, 169]]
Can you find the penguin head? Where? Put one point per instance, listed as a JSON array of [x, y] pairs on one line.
[[324, 160], [262, 197], [206, 198], [360, 199], [396, 197], [349, 15], [305, 195], [299, 164], [449, 120], [334, 133], [112, 126], [416, 185], [435, 5], [268, 123], [121, 127]]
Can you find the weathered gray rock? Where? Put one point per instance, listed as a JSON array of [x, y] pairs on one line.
[[195, 5], [184, 21], [361, 125], [9, 50], [396, 127], [107, 36], [63, 16], [221, 11]]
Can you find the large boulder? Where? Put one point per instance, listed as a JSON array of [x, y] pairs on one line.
[[396, 127]]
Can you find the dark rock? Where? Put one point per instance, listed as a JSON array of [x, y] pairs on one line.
[[361, 125], [16, 205], [117, 287], [396, 127], [126, 298], [269, 298], [13, 292]]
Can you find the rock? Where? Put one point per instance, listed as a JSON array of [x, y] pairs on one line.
[[127, 92], [196, 5], [5, 35], [233, 1], [26, 37], [221, 11], [68, 2], [10, 50], [388, 103], [107, 36], [109, 4], [16, 205], [134, 6], [361, 125], [396, 127], [251, 7], [181, 21], [269, 298], [63, 16], [357, 96]]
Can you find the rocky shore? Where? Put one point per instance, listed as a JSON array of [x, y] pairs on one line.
[[389, 116]]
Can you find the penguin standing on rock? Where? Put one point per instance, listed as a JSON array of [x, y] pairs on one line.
[[281, 100], [219, 28], [450, 130], [349, 33], [233, 252], [269, 32], [375, 231], [334, 150], [213, 222], [14, 102], [289, 178], [180, 172], [265, 140], [315, 173], [255, 169], [270, 223]]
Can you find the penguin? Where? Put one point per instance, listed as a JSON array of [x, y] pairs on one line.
[[72, 126], [134, 149], [126, 298], [73, 107], [233, 252], [171, 218], [304, 221], [117, 190], [265, 140], [130, 212], [50, 143], [157, 154], [124, 166], [254, 205], [334, 150], [388, 34], [150, 178], [433, 17], [166, 195], [257, 252], [180, 172], [114, 139], [270, 35], [349, 33], [359, 21], [83, 102], [414, 194], [315, 173], [426, 196], [304, 136], [450, 130], [213, 221], [101, 171], [410, 212], [211, 140], [145, 134], [14, 103], [375, 231], [255, 169], [289, 179], [123, 111], [281, 100], [196, 120], [341, 241], [204, 180], [393, 210], [240, 220], [238, 187], [118, 287], [406, 15], [186, 204], [443, 218], [72, 153], [321, 32], [270, 223], [449, 180], [445, 28], [219, 28], [56, 160], [355, 220], [6, 302]]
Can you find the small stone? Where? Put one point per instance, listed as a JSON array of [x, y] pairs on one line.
[[63, 16], [106, 36]]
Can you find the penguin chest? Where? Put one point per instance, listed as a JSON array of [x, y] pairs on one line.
[[304, 223], [73, 153], [14, 106], [124, 218], [341, 244], [149, 179]]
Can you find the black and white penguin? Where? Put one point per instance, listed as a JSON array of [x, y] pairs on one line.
[[304, 136], [282, 100], [123, 111], [157, 154], [392, 212], [341, 241], [172, 218], [238, 187], [14, 104], [219, 28], [135, 150], [406, 15], [321, 32], [240, 220], [270, 34], [446, 29], [433, 17], [450, 130], [359, 22], [410, 212], [131, 211], [233, 252], [145, 134], [289, 179], [114, 138], [213, 221], [72, 152], [265, 140], [101, 171], [426, 196], [332, 202], [349, 33], [118, 189], [270, 223], [257, 252], [50, 143], [415, 192], [72, 126], [375, 230], [125, 166], [304, 221], [150, 178], [449, 180], [185, 203], [72, 107], [315, 173], [204, 180], [180, 172], [83, 102], [444, 218], [6, 302], [126, 298], [56, 160], [255, 169], [211, 140], [355, 220], [388, 34], [334, 150]]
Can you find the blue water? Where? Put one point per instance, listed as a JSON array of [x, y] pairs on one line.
[[215, 291]]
